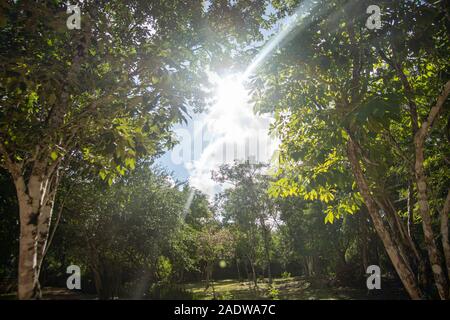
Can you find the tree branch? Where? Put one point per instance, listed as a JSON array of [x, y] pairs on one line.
[[429, 122]]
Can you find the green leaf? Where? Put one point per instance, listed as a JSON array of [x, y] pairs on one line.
[[54, 155], [130, 163], [329, 218]]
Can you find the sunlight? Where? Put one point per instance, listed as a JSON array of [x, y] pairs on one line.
[[188, 203], [231, 92], [293, 23], [228, 122], [231, 105]]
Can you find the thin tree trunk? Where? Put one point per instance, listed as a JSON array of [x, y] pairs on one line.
[[52, 234], [255, 281], [364, 241], [444, 233], [406, 245], [433, 252], [208, 270], [305, 267], [403, 269], [94, 264], [410, 205], [238, 270], [422, 273], [396, 234], [246, 272], [266, 248], [43, 230], [419, 136], [424, 209], [97, 281]]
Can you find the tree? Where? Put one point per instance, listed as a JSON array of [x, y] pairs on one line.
[[123, 235], [108, 93], [350, 100], [248, 205], [214, 245], [94, 92]]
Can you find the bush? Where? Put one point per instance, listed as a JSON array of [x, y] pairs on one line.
[[274, 294], [225, 296], [167, 291], [164, 268], [286, 275]]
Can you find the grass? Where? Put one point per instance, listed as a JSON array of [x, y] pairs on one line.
[[293, 288], [52, 293]]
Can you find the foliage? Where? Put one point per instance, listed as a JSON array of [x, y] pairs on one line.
[[274, 293], [361, 115], [169, 291], [352, 109]]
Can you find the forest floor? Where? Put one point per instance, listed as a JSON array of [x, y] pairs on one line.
[[53, 293], [294, 288]]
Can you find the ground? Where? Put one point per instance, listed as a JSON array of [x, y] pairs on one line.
[[293, 288]]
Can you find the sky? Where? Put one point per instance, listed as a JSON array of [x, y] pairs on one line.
[[229, 131]]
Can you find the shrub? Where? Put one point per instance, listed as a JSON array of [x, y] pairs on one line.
[[166, 291], [273, 294], [225, 296], [164, 268]]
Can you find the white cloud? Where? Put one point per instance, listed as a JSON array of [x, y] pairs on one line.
[[229, 131]]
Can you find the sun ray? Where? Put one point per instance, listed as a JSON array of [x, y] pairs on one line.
[[293, 23]]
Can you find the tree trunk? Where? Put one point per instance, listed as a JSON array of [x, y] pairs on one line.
[[255, 281], [424, 209], [246, 271], [364, 241], [208, 271], [266, 234], [410, 205], [35, 209], [95, 265], [97, 281], [444, 233], [401, 266], [441, 280], [407, 247], [238, 270], [28, 287], [309, 265], [422, 276], [43, 230]]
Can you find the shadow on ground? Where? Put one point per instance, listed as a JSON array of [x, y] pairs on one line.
[[294, 288]]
